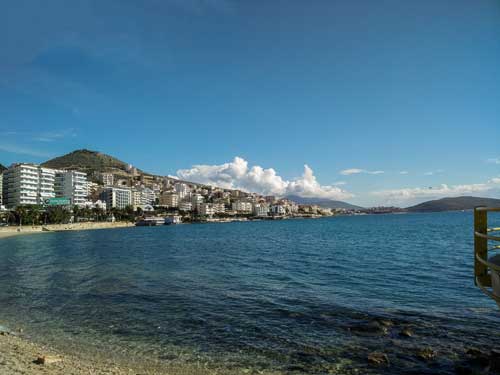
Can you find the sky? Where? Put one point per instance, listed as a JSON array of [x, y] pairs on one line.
[[389, 102]]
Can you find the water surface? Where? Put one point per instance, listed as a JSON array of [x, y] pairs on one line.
[[291, 295]]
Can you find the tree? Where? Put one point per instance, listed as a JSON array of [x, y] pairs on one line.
[[58, 215], [20, 213]]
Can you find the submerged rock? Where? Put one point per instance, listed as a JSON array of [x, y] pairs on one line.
[[495, 361], [406, 332], [5, 331], [378, 359], [426, 354], [371, 328]]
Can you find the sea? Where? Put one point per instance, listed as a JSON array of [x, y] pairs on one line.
[[311, 296]]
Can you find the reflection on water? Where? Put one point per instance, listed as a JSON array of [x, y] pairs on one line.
[[300, 295]]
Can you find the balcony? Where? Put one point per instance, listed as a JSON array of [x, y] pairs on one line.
[[486, 254]]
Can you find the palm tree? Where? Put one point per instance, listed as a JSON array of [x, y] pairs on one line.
[[20, 213]]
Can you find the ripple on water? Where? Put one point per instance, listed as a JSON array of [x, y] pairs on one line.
[[311, 296]]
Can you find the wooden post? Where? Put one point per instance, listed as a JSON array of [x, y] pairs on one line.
[[481, 246]]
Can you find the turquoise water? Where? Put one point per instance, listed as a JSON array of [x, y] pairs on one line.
[[293, 295]]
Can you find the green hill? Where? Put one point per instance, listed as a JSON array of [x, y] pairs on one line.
[[88, 161], [454, 204]]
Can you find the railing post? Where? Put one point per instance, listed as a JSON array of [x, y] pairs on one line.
[[481, 246]]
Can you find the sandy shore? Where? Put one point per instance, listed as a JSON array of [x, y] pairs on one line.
[[19, 355], [27, 229]]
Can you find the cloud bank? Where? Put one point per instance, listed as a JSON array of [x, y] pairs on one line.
[[412, 195], [238, 175]]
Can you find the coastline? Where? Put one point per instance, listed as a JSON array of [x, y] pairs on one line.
[[28, 229], [22, 355]]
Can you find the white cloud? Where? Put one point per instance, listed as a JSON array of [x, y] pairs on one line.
[[350, 171], [493, 160], [432, 173], [403, 172], [412, 195], [238, 175]]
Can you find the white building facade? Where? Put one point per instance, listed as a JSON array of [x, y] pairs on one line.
[[182, 190], [242, 206], [169, 200], [206, 209], [27, 184], [116, 197], [260, 209], [72, 185]]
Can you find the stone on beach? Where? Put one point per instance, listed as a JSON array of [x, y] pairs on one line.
[[48, 359]]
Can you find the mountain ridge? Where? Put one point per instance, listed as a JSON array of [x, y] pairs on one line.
[[454, 204], [89, 161], [323, 202]]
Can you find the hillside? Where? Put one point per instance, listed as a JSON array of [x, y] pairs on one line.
[[88, 161], [323, 202], [454, 204], [2, 168]]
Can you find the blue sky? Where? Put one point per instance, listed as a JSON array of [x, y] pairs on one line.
[[347, 87]]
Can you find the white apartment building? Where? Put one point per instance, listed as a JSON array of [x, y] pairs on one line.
[[185, 206], [196, 199], [148, 196], [46, 184], [219, 208], [169, 200], [72, 185], [206, 209], [242, 206], [117, 197], [260, 209], [1, 189], [182, 190], [278, 210], [91, 188], [107, 179], [25, 184], [136, 198]]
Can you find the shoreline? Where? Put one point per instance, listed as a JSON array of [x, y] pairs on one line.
[[27, 229], [20, 354]]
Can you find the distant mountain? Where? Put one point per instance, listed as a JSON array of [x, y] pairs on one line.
[[88, 161], [323, 202], [454, 204]]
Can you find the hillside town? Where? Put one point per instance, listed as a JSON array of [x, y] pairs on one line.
[[137, 196]]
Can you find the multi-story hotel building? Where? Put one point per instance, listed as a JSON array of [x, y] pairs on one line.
[[72, 185], [27, 184], [242, 206], [169, 200], [117, 197], [107, 179], [206, 209], [185, 206], [260, 209], [182, 190]]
